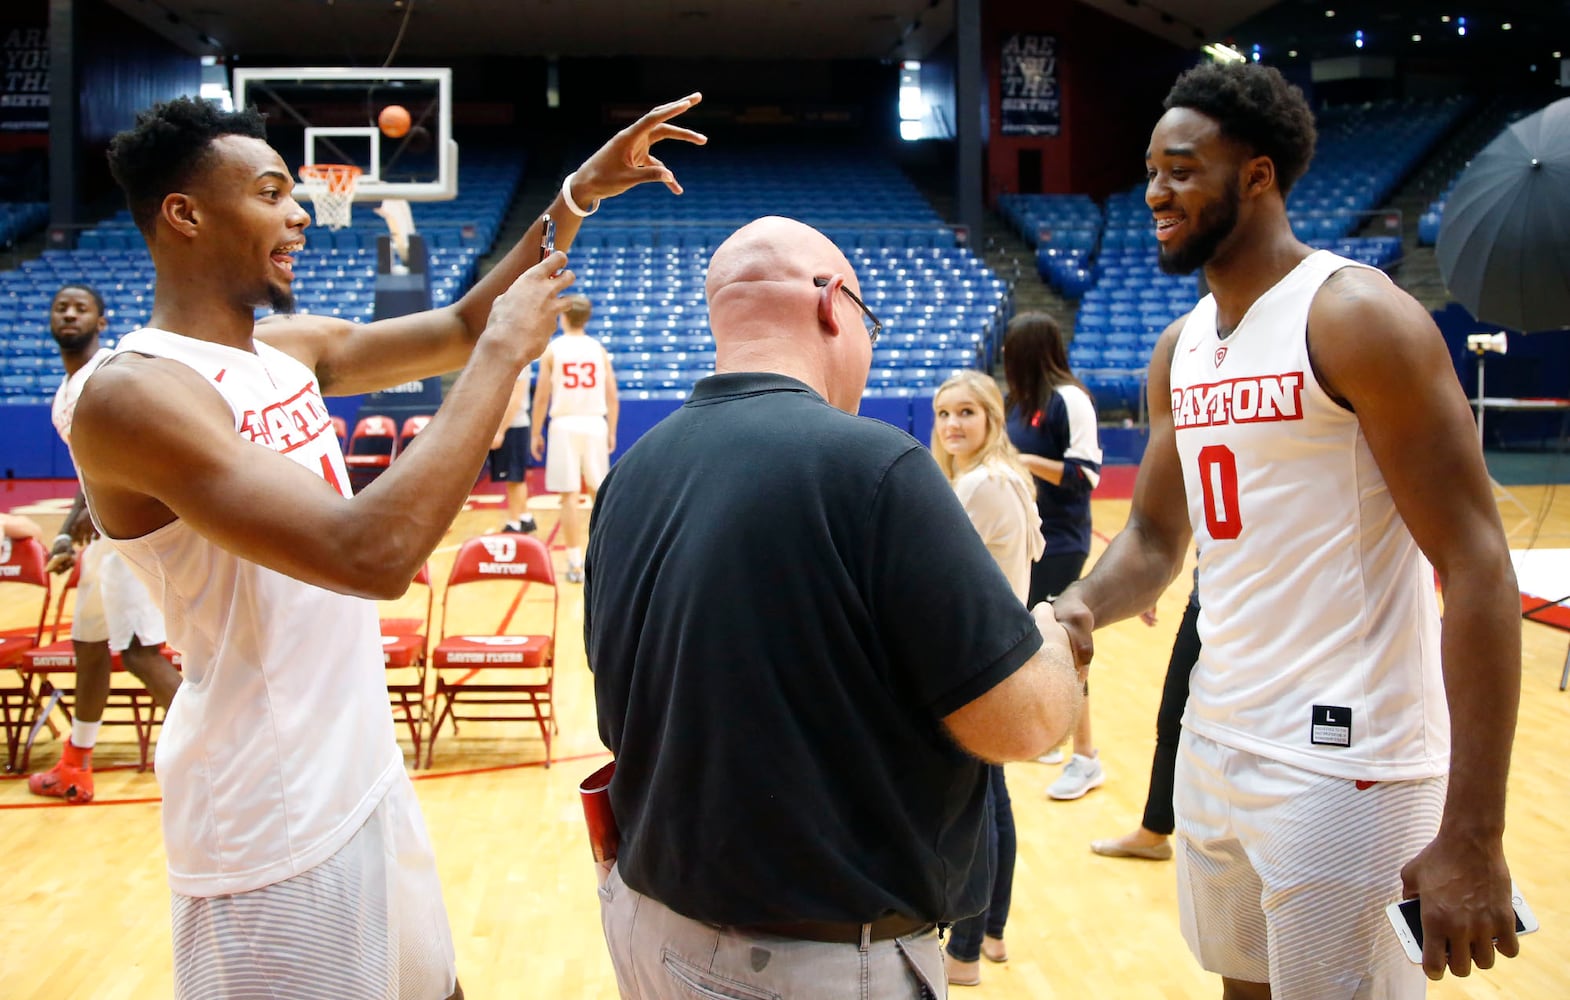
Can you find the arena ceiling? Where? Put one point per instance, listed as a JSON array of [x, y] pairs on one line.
[[356, 32], [361, 32]]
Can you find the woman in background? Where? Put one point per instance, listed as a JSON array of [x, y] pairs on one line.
[[995, 489], [1052, 421]]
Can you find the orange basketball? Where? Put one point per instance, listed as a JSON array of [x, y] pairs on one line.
[[394, 121]]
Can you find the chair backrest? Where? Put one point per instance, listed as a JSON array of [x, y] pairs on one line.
[[519, 558], [411, 429], [374, 435], [22, 561]]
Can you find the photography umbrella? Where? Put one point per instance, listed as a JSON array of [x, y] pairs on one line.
[[1504, 243]]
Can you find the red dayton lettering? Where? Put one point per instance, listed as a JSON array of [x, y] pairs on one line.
[[285, 426], [1258, 399]]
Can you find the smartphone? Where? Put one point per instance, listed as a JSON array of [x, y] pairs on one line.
[[1407, 918], [548, 239]]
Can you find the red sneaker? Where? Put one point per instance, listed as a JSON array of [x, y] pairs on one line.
[[71, 779]]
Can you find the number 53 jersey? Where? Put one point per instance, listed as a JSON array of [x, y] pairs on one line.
[[1319, 621]]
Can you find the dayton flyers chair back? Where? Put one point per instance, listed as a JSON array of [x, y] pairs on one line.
[[22, 562], [514, 671]]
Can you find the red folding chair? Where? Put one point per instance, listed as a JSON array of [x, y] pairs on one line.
[[372, 447], [517, 671], [50, 669], [21, 565], [405, 653], [411, 429]]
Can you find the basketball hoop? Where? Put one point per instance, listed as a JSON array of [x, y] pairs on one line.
[[331, 187]]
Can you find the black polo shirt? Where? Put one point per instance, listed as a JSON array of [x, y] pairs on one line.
[[782, 603]]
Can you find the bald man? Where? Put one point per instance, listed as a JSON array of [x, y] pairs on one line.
[[803, 654]]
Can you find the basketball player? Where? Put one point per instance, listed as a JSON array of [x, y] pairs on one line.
[[114, 611], [509, 459], [1308, 412], [297, 853], [578, 389]]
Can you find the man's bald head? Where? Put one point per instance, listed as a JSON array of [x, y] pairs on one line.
[[774, 249], [768, 314]]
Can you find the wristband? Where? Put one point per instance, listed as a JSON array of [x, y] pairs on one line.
[[572, 206], [58, 538]]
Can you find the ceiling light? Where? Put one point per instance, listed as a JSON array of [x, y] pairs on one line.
[[1558, 54], [1223, 53], [1330, 13], [1291, 53], [1444, 18], [1417, 38], [1506, 26]]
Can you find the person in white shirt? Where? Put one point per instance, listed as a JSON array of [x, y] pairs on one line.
[[297, 854], [509, 459], [114, 612], [971, 443], [578, 389], [1308, 430]]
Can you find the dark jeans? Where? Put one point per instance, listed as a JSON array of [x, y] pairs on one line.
[[965, 936], [1169, 721], [1051, 574]]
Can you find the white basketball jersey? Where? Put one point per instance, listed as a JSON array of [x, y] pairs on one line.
[[280, 742], [64, 407], [578, 372], [1319, 622]]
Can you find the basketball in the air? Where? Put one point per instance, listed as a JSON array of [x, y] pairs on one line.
[[393, 121]]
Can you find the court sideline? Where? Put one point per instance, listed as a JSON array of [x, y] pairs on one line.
[[88, 913]]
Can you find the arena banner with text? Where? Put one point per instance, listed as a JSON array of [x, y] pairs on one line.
[[24, 68], [1030, 97]]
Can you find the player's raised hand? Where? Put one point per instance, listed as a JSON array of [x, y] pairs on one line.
[[627, 159], [525, 315]]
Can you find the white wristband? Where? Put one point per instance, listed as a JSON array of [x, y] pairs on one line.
[[572, 206], [58, 538]]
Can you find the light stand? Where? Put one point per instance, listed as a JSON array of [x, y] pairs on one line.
[[1482, 344]]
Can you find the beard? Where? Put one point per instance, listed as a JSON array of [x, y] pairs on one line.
[[281, 300], [74, 343], [1214, 224]]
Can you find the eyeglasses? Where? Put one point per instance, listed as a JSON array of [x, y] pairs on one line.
[[873, 324]]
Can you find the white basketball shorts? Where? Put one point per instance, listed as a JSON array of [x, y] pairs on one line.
[[1284, 874], [368, 923], [112, 604], [576, 451]]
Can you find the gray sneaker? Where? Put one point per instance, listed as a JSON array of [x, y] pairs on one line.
[[1080, 776], [574, 574]]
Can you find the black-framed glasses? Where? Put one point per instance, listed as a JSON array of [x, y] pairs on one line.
[[873, 324]]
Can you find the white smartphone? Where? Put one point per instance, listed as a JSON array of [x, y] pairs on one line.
[[1407, 918]]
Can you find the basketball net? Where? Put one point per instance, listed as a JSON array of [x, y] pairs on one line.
[[331, 187]]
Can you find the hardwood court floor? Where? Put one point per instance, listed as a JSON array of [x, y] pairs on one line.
[[85, 905]]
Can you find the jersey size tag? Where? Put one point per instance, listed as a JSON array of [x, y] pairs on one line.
[[1331, 726]]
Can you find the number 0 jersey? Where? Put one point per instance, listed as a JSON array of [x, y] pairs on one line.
[[1319, 621]]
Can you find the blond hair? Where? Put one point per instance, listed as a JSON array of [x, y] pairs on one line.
[[578, 311], [996, 448]]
